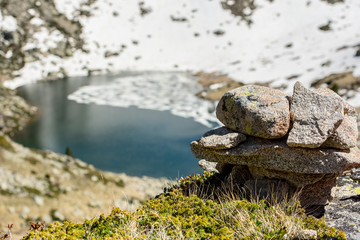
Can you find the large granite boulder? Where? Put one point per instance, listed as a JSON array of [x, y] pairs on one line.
[[255, 111], [315, 117]]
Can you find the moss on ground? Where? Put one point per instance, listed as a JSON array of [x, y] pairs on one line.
[[178, 214], [6, 144]]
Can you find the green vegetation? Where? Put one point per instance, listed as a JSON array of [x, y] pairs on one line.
[[69, 152], [6, 144], [31, 160], [248, 129], [31, 191], [181, 214], [40, 152]]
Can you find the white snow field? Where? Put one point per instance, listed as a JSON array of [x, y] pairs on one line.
[[283, 45]]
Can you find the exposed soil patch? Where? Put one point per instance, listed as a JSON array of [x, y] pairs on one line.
[[215, 85]]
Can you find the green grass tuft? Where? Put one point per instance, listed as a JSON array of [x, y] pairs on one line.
[[179, 214], [6, 144]]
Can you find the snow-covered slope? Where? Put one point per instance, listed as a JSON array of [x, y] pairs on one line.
[[288, 40], [248, 53]]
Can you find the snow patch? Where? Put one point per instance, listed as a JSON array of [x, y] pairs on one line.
[[283, 45], [8, 23], [174, 92]]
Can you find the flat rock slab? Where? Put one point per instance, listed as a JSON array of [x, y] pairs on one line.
[[276, 154], [255, 111], [315, 117], [222, 138]]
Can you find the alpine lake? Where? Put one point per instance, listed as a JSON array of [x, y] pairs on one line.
[[138, 142]]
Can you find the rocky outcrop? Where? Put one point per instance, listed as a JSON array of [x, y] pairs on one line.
[[242, 8], [36, 17], [15, 113], [342, 83], [316, 147], [343, 211]]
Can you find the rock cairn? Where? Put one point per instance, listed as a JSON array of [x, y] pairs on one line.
[[274, 143]]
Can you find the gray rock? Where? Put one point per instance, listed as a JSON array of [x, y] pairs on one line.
[[355, 175], [47, 218], [255, 111], [12, 210], [318, 193], [343, 212], [108, 54], [345, 136], [277, 155], [95, 204], [78, 212], [304, 234], [208, 166], [39, 200], [297, 180], [315, 117], [56, 215], [222, 138], [25, 212], [237, 177], [222, 168]]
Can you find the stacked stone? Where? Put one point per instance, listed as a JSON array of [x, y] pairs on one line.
[[274, 142]]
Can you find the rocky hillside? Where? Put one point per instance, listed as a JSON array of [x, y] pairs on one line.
[[43, 186], [23, 22], [252, 41]]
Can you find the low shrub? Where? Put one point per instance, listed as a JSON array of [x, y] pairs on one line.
[[178, 214]]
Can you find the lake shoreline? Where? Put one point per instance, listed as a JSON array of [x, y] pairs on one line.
[[46, 186]]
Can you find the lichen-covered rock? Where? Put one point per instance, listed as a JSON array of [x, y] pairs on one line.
[[319, 148], [315, 117], [221, 138], [275, 154], [345, 136], [343, 211], [255, 111]]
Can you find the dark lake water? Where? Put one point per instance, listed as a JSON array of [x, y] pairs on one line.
[[134, 141]]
